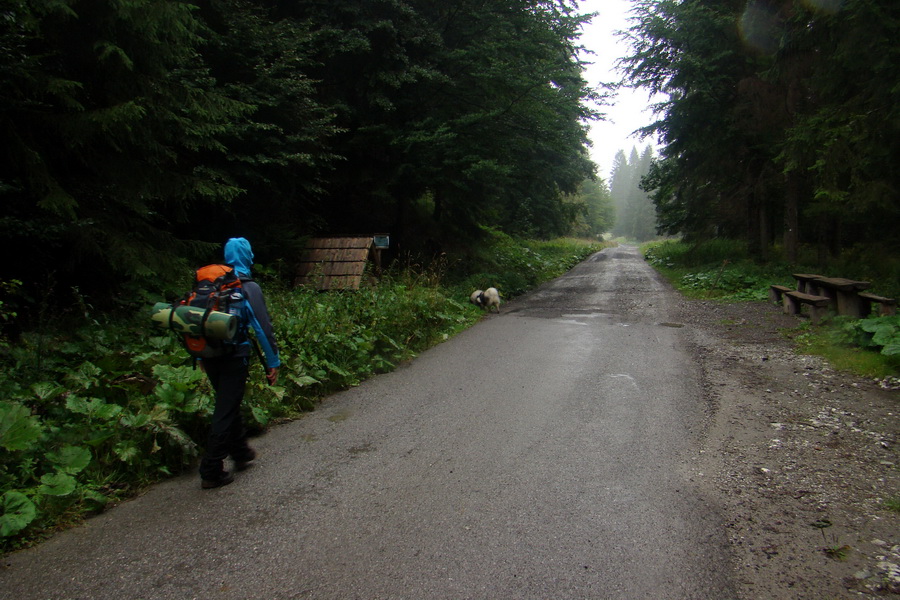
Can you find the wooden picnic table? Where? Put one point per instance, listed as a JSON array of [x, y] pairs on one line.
[[804, 280], [843, 292]]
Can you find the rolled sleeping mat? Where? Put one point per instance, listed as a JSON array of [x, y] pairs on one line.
[[189, 319]]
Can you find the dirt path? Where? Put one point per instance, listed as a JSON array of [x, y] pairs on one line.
[[802, 457]]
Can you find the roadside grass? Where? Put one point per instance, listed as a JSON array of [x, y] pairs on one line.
[[515, 266], [718, 269], [722, 270], [828, 342], [96, 407], [837, 551], [892, 504]]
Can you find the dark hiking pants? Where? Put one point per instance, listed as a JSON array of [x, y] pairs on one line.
[[227, 435]]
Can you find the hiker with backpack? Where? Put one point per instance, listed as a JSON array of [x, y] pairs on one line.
[[228, 369]]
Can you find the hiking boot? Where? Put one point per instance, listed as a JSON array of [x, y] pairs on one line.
[[243, 460], [224, 478]]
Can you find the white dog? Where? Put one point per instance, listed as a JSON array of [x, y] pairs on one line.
[[488, 299]]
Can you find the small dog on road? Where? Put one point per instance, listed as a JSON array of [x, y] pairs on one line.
[[488, 299]]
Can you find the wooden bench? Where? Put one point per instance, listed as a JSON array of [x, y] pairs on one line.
[[818, 305], [776, 291], [888, 305]]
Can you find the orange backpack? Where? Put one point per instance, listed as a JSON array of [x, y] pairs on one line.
[[216, 288]]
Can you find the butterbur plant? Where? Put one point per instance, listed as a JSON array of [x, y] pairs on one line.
[[19, 433], [878, 333], [44, 482], [93, 429]]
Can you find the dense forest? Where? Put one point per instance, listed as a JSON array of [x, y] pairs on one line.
[[780, 124], [140, 134], [632, 206]]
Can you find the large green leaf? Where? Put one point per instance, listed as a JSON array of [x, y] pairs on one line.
[[303, 380], [261, 416], [93, 407], [71, 459], [57, 484], [18, 428], [169, 395], [885, 335], [891, 349], [17, 512], [87, 375], [135, 421], [46, 390], [127, 451]]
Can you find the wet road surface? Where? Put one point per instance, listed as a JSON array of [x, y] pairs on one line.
[[545, 453]]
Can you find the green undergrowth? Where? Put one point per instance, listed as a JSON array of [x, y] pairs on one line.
[[722, 270], [868, 347], [95, 407], [718, 269], [514, 266]]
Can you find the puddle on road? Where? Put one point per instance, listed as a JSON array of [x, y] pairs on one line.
[[677, 325], [587, 315], [363, 449], [581, 318], [340, 416]]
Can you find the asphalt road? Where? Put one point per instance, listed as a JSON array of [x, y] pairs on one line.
[[545, 453]]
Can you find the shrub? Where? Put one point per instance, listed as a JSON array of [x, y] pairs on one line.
[[716, 269], [514, 266], [881, 334]]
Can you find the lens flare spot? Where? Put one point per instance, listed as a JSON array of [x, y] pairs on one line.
[[760, 28]]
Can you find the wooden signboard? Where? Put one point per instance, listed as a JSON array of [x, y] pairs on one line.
[[336, 263]]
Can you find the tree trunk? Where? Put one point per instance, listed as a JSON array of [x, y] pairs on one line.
[[792, 216], [829, 239], [762, 202], [764, 232], [753, 214], [438, 212]]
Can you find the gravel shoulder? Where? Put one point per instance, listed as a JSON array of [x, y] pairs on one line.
[[800, 456]]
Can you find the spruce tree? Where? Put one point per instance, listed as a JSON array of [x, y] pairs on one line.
[[109, 111]]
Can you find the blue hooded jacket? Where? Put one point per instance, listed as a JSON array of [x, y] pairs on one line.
[[239, 255]]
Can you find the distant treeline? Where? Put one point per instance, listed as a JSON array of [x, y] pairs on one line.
[[140, 134], [781, 123], [635, 213]]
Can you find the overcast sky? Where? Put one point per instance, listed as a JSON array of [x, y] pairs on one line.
[[630, 109]]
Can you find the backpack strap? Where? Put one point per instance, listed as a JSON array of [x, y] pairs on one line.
[[204, 319], [172, 317], [256, 347]]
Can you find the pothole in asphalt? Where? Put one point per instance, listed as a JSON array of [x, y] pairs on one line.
[[585, 315]]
